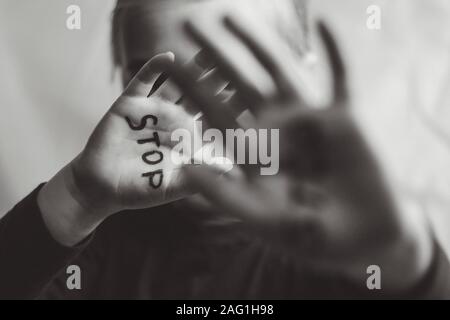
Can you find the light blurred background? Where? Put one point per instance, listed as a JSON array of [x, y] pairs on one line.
[[55, 85]]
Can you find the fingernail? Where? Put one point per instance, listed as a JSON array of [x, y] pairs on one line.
[[171, 54]]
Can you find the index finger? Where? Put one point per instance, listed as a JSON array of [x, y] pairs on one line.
[[209, 104], [340, 90], [143, 81]]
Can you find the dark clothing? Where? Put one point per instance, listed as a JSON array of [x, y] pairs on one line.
[[169, 252]]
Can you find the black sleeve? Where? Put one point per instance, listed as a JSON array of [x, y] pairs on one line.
[[29, 256]]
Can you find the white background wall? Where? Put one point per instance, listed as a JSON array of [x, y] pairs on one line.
[[55, 85]]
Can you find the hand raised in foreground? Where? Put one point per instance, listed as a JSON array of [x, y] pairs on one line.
[[329, 205], [126, 164]]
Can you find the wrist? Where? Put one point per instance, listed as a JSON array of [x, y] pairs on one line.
[[414, 250], [64, 212], [404, 260]]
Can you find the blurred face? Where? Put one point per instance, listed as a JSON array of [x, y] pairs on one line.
[[156, 26]]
